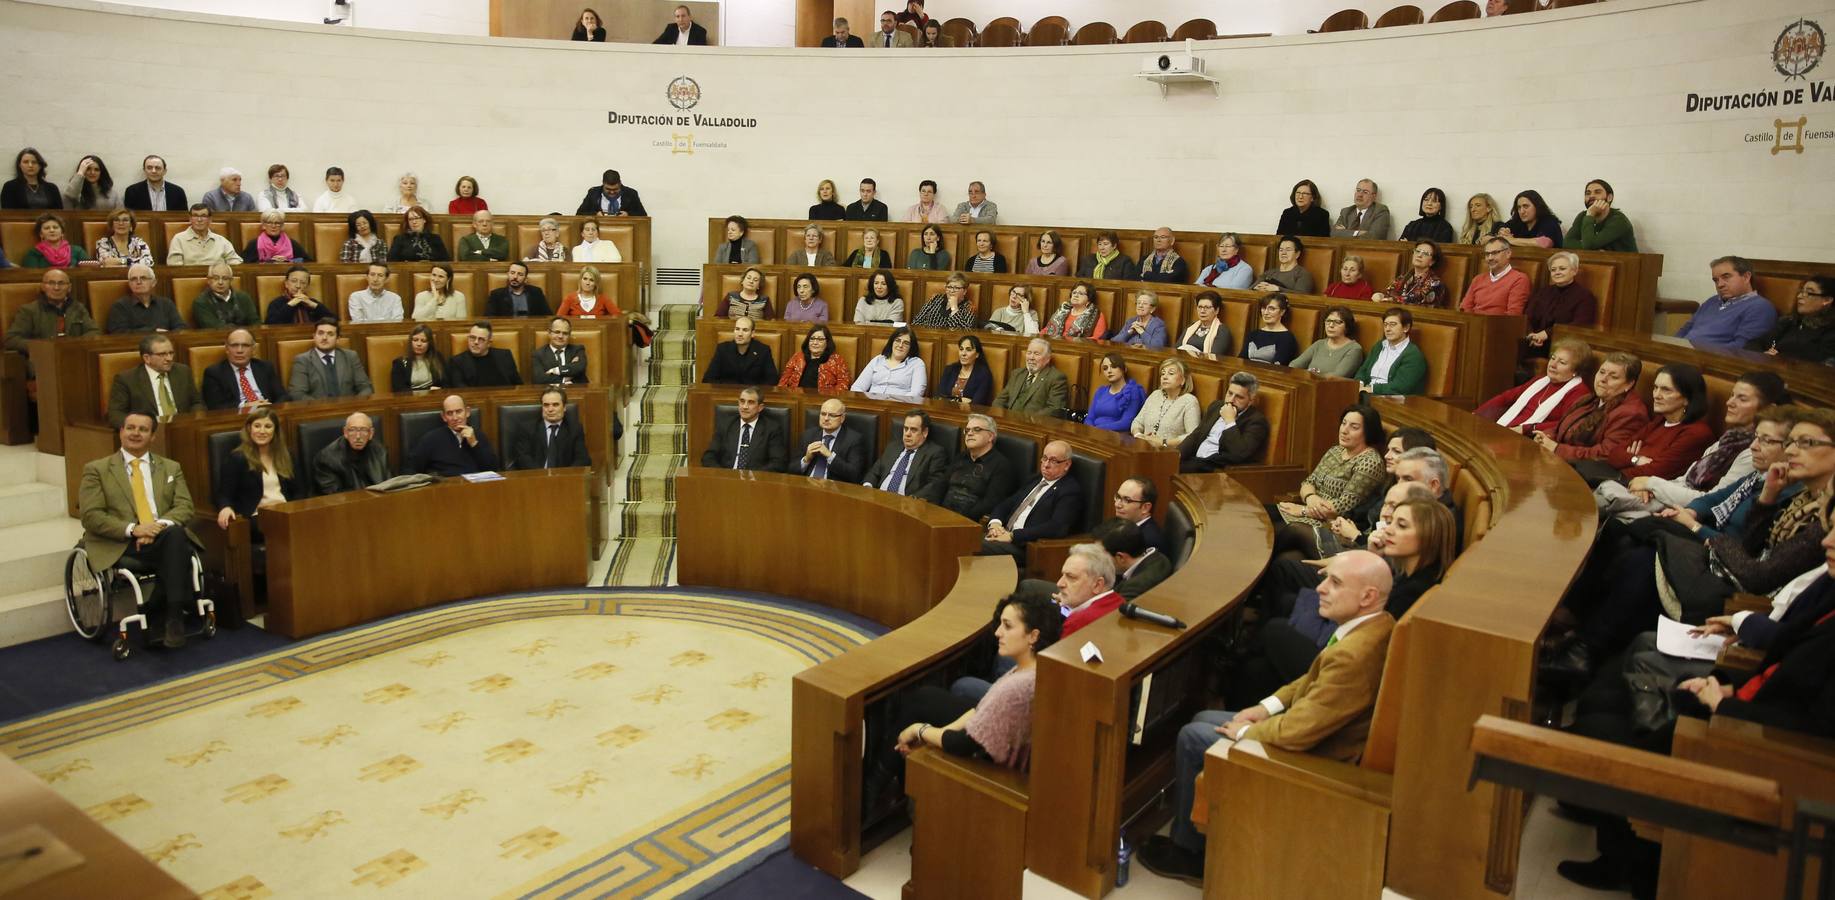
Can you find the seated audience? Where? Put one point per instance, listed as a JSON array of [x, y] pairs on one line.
[[1051, 507], [866, 209], [140, 309], [593, 248], [826, 209], [986, 259], [440, 302], [870, 255], [417, 241], [914, 467], [257, 474], [1086, 586], [421, 366], [749, 301], [588, 28], [1233, 432], [1600, 226], [1170, 413], [408, 194], [1079, 319], [1432, 225], [611, 198], [240, 379], [1107, 260], [159, 387], [1016, 315], [685, 32], [585, 301], [897, 371], [516, 299], [272, 244], [558, 361], [1421, 284], [364, 241], [1563, 301], [1725, 507], [1549, 398], [458, 449], [1146, 329], [1365, 218], [1164, 264], [1038, 386], [1727, 460], [842, 38], [741, 360], [929, 253], [1287, 274], [295, 306], [277, 197], [914, 14], [135, 504], [228, 195], [1808, 333], [198, 245], [484, 243], [1117, 400], [333, 199], [327, 370], [1229, 271], [977, 209], [30, 187], [981, 477], [748, 440], [1270, 341], [221, 304], [550, 247], [882, 304], [91, 187], [829, 450], [1677, 432], [51, 314], [1533, 224], [375, 303], [1346, 475], [482, 365], [927, 209], [1480, 219], [806, 304], [356, 460], [968, 379], [1335, 350], [933, 36], [554, 442], [817, 366], [1351, 283], [1050, 260], [737, 249], [121, 246], [813, 253], [1206, 336], [1605, 425], [1500, 290], [466, 202], [1394, 366], [1305, 215], [52, 250], [953, 309]]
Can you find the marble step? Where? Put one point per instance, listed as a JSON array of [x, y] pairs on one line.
[[30, 501], [33, 614]]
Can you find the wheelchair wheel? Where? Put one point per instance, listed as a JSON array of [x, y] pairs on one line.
[[122, 649], [85, 597], [210, 624]]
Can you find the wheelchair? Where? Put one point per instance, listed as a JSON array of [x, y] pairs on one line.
[[89, 598]]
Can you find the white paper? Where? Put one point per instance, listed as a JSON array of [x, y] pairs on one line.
[[1090, 653], [1673, 639], [476, 477]]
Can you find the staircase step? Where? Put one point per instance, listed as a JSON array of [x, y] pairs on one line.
[[641, 562], [652, 478], [31, 615], [18, 465], [679, 316], [674, 345], [665, 373], [32, 555], [667, 440], [664, 405], [30, 501], [649, 519]]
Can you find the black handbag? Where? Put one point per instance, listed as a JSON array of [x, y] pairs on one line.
[[1653, 705], [1692, 583]]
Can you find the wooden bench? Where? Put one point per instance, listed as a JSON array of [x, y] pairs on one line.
[[1809, 383]]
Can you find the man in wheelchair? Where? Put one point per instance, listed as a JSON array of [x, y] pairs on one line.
[[134, 506]]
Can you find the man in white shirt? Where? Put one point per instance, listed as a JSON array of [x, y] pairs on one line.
[[977, 209], [376, 303], [135, 504], [198, 245]]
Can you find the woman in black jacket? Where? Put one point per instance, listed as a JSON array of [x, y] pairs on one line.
[[1432, 224], [978, 386], [421, 366], [258, 473], [417, 242], [1808, 333], [1305, 215]]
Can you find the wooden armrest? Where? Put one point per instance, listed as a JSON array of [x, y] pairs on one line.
[[1311, 771], [1680, 782], [1753, 603], [983, 776], [1739, 658], [1677, 306], [1795, 744]]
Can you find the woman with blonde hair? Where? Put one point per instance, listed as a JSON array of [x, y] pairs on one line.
[[1480, 219], [1171, 412], [585, 302], [825, 208], [439, 300], [257, 474]]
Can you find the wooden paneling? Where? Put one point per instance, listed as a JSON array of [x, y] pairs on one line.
[[104, 864]]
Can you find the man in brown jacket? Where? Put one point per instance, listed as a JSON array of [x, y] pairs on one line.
[[1326, 711], [52, 315]]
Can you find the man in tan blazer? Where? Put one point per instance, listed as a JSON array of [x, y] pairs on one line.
[[159, 387], [1037, 388], [134, 504], [1326, 711], [889, 34]]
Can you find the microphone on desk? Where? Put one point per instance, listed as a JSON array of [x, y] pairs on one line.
[[1134, 611]]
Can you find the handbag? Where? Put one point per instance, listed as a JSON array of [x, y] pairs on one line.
[[1653, 705], [641, 335], [1690, 581], [1596, 472]]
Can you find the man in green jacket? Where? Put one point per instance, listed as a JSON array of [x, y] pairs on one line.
[[53, 314], [220, 305], [1037, 388], [1599, 226], [1395, 366]]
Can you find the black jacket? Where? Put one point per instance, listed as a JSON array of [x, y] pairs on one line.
[[753, 369], [1058, 513], [873, 213], [697, 37], [222, 392], [135, 197], [628, 202], [853, 40], [850, 461], [495, 369], [766, 454], [239, 487], [438, 452], [1810, 341], [1122, 267], [827, 211], [1800, 692], [1238, 446], [499, 306], [973, 487], [338, 469], [279, 313], [13, 195], [529, 446], [401, 249], [923, 478]]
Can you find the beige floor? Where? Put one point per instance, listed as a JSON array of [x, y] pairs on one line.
[[1547, 840]]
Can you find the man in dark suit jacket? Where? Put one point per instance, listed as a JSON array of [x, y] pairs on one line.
[[1232, 433], [502, 302], [741, 360], [136, 390], [914, 466], [354, 461], [831, 451], [684, 24], [555, 442], [139, 195], [455, 450], [312, 379], [760, 439], [611, 198], [1138, 565], [1134, 503], [239, 378], [559, 362], [482, 365], [841, 37], [1050, 507], [866, 209]]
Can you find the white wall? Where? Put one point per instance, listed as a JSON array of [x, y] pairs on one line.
[[1060, 136], [426, 16]]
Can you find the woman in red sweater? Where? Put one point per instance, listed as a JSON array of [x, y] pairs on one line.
[[1677, 433], [1351, 283], [467, 201], [1605, 425]]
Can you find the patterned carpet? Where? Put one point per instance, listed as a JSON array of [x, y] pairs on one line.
[[584, 742], [645, 549]]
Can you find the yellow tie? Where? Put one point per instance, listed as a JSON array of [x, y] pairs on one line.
[[142, 509], [167, 406]]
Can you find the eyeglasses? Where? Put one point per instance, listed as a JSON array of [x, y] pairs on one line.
[[1121, 498], [1805, 443], [1769, 441], [1805, 291], [974, 429], [1056, 460]]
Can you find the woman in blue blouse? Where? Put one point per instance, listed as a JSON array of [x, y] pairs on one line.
[[1115, 403]]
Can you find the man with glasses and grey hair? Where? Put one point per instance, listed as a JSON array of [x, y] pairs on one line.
[[1038, 387], [239, 380], [1232, 433], [1365, 218], [980, 477], [140, 309], [1051, 507], [354, 461]]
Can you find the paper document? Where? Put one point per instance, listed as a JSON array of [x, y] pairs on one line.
[[1673, 638], [476, 477]]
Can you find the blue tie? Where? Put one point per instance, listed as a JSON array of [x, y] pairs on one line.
[[895, 482], [820, 469]]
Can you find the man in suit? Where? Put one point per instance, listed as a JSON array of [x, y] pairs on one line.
[[327, 370], [1138, 565], [134, 505], [456, 450], [611, 197], [980, 477], [841, 37], [747, 441], [831, 451], [483, 244], [354, 461], [558, 361], [1164, 264], [221, 304], [977, 209], [159, 387], [889, 36], [1232, 433], [866, 209], [1365, 218], [482, 365], [154, 194], [1050, 507], [555, 442], [239, 380], [1134, 503], [683, 33], [1325, 712], [914, 466], [741, 361], [813, 253], [140, 309], [519, 298], [1038, 387]]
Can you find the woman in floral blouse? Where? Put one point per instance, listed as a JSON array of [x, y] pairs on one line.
[[1078, 319], [1421, 284], [121, 246]]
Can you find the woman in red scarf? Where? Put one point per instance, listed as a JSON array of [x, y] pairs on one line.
[[52, 251]]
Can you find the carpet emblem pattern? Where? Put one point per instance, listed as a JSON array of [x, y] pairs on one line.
[[585, 743]]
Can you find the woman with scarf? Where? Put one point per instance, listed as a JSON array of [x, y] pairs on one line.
[[1078, 319], [1808, 333], [52, 251], [1206, 336], [1731, 457], [272, 244], [277, 196], [1421, 284], [817, 366], [1549, 398], [551, 248], [1107, 261], [1607, 423], [1432, 225], [1229, 271]]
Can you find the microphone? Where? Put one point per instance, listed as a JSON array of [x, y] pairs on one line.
[[1134, 611]]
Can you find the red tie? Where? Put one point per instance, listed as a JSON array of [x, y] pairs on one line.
[[248, 390]]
